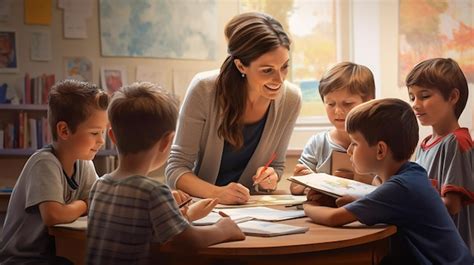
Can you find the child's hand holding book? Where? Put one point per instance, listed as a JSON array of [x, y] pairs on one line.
[[320, 199]]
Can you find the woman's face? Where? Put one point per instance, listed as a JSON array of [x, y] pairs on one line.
[[266, 74]]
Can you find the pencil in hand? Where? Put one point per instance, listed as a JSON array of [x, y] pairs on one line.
[[265, 167], [181, 205]]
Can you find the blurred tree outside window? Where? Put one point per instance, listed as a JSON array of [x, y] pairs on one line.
[[312, 28]]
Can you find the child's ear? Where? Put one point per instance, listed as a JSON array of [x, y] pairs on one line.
[[382, 150], [166, 141], [454, 96], [112, 135], [62, 130]]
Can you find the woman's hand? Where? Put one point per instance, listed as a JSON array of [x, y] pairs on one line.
[[232, 193], [200, 209], [266, 180]]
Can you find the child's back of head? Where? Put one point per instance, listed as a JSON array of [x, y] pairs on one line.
[[443, 75], [358, 79], [390, 120], [143, 116], [140, 115]]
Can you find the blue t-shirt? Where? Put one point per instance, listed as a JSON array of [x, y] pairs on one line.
[[233, 162], [409, 201]]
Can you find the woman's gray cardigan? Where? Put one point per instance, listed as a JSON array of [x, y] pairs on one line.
[[197, 148]]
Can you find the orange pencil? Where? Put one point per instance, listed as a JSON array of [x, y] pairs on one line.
[[266, 166]]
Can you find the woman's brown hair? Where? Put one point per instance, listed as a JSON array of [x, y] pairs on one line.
[[250, 35]]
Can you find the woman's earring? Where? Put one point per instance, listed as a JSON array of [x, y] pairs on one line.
[[243, 75]]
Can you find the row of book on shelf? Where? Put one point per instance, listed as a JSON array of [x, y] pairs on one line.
[[25, 132], [30, 133], [35, 90]]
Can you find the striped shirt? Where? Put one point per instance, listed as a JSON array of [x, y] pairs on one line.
[[128, 214]]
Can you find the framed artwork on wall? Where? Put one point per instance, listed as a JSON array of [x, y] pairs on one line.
[[78, 68], [446, 29], [153, 30], [8, 51], [113, 78]]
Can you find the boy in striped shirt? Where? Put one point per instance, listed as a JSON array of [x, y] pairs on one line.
[[128, 210]]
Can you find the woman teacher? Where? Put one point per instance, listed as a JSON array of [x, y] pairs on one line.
[[232, 122]]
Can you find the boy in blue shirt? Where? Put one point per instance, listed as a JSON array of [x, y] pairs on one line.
[[405, 198], [54, 184]]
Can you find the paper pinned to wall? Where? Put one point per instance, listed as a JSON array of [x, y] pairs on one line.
[[38, 12], [75, 15], [149, 74], [40, 45], [5, 9], [74, 26]]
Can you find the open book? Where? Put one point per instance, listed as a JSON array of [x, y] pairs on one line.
[[252, 213], [268, 229], [332, 185]]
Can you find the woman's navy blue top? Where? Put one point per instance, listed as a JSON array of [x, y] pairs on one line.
[[233, 162]]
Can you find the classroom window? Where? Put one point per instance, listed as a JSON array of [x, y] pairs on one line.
[[312, 27]]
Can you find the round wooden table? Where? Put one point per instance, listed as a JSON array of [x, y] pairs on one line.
[[353, 244]]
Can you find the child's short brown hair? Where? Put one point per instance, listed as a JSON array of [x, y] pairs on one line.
[[355, 77], [444, 75], [140, 115], [72, 101], [390, 120]]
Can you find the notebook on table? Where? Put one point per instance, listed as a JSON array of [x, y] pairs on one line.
[[251, 213], [269, 229]]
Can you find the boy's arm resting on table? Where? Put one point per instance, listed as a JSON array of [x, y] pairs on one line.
[[345, 199], [232, 193], [195, 237], [54, 213], [328, 216]]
